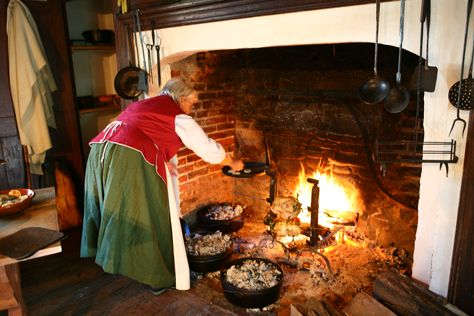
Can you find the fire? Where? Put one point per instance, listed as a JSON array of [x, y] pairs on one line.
[[334, 198]]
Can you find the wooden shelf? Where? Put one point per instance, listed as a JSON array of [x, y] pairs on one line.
[[100, 109], [101, 48]]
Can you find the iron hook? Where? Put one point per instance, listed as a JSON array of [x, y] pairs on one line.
[[446, 165]]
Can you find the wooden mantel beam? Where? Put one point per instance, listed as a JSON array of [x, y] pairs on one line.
[[170, 13]]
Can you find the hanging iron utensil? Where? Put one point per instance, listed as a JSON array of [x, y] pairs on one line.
[[467, 89], [149, 48], [418, 76], [376, 88], [126, 80], [428, 73], [157, 43], [142, 83], [399, 97], [458, 103]]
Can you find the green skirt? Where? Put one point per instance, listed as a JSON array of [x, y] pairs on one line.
[[126, 216]]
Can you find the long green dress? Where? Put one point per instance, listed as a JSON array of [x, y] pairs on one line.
[[126, 219]]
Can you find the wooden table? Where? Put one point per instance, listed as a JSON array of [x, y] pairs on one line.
[[42, 213]]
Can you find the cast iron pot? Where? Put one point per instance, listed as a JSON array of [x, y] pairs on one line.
[[250, 298], [209, 263], [225, 226]]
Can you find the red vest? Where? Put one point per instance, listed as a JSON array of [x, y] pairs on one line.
[[147, 126]]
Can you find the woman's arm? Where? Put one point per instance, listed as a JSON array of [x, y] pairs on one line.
[[206, 148]]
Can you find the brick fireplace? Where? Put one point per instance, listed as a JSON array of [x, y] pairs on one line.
[[438, 194], [301, 101]]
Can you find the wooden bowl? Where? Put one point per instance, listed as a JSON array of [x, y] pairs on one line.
[[17, 207]]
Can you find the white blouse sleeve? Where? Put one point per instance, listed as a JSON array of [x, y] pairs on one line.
[[196, 139]]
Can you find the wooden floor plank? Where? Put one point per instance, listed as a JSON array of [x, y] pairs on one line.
[[65, 284]]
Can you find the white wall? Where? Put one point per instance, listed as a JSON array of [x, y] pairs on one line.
[[439, 195]]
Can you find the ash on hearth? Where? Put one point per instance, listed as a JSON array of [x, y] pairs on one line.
[[334, 273]]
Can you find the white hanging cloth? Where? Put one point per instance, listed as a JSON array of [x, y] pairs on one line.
[[31, 84]]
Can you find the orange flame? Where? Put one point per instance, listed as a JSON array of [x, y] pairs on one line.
[[333, 197]]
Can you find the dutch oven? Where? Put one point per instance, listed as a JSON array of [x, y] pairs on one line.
[[225, 226], [250, 298], [208, 263]]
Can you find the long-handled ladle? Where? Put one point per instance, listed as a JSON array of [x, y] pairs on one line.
[[458, 118], [376, 88]]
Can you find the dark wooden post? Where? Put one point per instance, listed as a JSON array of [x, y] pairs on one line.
[[314, 209]]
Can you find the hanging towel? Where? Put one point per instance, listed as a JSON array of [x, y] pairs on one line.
[[31, 84]]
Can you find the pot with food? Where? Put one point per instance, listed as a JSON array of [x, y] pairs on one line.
[[225, 217], [252, 282], [208, 252]]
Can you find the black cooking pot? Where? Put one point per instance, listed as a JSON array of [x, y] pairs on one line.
[[250, 298], [225, 226], [209, 263]]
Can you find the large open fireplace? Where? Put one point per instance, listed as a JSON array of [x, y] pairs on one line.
[[281, 88], [297, 107]]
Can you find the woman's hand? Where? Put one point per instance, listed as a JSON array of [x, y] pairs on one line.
[[234, 164]]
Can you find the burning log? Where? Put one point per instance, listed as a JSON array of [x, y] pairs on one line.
[[405, 296]]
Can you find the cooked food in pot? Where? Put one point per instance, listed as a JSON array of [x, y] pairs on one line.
[[253, 275], [207, 245], [220, 212]]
